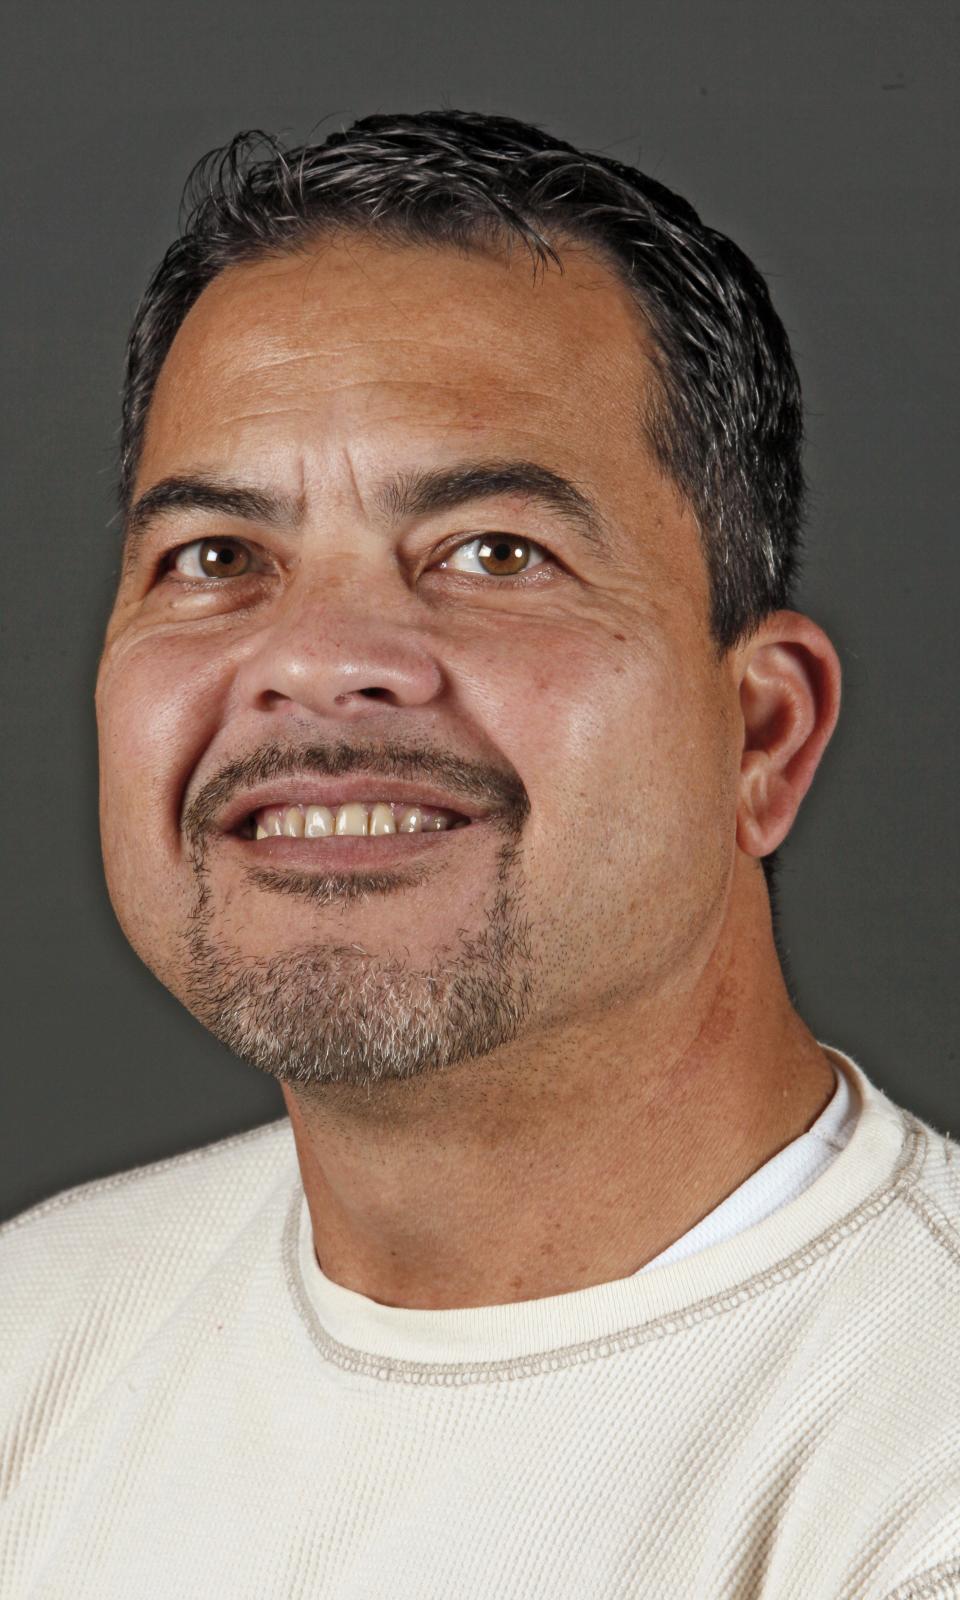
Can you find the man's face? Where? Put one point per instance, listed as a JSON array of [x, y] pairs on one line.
[[570, 693]]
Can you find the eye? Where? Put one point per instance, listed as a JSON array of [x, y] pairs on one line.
[[503, 555], [211, 558]]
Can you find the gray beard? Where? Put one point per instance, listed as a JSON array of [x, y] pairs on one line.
[[328, 1013]]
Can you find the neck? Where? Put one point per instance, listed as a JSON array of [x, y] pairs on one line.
[[571, 1159]]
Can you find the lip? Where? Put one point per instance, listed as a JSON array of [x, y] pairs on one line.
[[340, 791], [340, 852]]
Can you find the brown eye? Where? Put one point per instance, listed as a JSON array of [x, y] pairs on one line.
[[221, 558], [211, 558], [499, 555], [506, 556]]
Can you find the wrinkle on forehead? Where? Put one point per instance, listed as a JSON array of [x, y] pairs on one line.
[[281, 365], [359, 385], [486, 366], [473, 295], [459, 342], [345, 347]]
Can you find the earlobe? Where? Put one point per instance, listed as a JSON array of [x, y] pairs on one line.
[[789, 700]]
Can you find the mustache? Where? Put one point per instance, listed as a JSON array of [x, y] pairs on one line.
[[471, 780]]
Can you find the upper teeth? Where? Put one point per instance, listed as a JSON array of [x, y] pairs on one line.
[[317, 822]]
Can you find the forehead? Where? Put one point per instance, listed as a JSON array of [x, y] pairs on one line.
[[363, 342]]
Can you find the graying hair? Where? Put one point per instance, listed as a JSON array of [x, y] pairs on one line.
[[726, 420]]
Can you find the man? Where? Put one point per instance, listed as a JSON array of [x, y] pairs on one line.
[[451, 710]]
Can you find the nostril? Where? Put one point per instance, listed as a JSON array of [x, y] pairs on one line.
[[376, 694]]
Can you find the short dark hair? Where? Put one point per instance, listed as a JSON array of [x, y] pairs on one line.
[[726, 422], [724, 419]]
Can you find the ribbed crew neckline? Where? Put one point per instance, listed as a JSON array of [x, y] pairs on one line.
[[882, 1155]]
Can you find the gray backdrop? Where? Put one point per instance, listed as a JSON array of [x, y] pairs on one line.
[[820, 134]]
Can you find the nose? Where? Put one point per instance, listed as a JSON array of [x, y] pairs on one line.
[[338, 647]]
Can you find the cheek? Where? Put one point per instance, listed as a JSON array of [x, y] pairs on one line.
[[155, 710], [156, 707], [684, 780], [634, 741]]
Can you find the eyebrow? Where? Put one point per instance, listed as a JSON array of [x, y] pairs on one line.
[[407, 495]]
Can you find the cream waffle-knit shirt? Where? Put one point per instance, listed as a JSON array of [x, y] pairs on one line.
[[190, 1409]]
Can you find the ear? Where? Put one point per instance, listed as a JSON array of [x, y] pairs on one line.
[[789, 700]]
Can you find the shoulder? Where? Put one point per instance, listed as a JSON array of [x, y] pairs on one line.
[[133, 1241], [146, 1196], [934, 1198], [909, 1296], [909, 1161]]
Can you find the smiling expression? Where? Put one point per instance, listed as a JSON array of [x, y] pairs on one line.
[[348, 582]]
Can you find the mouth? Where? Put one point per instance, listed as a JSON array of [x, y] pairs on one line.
[[352, 834], [352, 819], [307, 807], [339, 852]]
